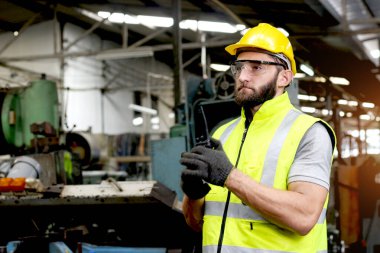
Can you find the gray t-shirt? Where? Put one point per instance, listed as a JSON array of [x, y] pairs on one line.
[[312, 162]]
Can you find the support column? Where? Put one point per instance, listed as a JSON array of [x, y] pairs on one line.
[[177, 52]]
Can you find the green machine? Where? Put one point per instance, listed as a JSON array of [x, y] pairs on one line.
[[23, 108]]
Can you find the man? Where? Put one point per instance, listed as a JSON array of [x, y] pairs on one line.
[[268, 173]]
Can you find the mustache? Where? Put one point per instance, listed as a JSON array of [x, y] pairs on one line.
[[240, 86]]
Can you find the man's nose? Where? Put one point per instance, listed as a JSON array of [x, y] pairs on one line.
[[244, 75]]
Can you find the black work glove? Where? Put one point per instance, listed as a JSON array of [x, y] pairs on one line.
[[193, 186], [210, 164]]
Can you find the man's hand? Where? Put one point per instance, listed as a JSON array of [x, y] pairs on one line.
[[212, 165], [193, 186]]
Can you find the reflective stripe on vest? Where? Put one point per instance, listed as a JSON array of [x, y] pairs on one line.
[[241, 211], [275, 147], [229, 130], [234, 249]]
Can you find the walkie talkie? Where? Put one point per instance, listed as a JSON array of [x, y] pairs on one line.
[[204, 140]]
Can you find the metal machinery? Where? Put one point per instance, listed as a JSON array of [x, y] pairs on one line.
[[29, 129], [53, 211], [206, 98], [199, 115], [27, 114]]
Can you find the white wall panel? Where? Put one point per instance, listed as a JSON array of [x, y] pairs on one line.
[[36, 40], [87, 75]]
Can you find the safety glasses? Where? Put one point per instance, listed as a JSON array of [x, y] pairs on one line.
[[255, 67]]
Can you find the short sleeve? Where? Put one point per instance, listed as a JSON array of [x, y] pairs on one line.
[[312, 162]]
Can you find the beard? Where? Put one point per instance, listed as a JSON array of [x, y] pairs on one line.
[[257, 96]]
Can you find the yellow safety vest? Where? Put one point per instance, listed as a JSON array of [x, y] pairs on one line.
[[267, 155]]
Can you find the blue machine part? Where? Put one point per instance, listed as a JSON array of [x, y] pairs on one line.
[[198, 88], [89, 248], [166, 168], [59, 247], [12, 246]]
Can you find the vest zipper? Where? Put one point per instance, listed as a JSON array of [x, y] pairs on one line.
[[222, 227]]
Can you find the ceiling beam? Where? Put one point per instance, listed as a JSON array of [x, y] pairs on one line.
[[163, 47]]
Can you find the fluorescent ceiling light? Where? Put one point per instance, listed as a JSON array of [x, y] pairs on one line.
[[307, 69], [104, 14], [129, 19], [210, 26], [240, 27], [339, 80], [299, 75], [116, 17], [342, 102], [349, 103], [375, 53], [326, 112], [353, 103], [341, 113], [137, 121], [368, 105], [308, 109], [189, 24], [219, 67], [155, 120], [306, 97], [155, 21], [365, 117], [320, 79], [122, 53], [143, 109]]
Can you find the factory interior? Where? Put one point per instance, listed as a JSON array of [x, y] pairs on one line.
[[99, 98]]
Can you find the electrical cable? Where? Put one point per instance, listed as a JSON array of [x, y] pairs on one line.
[[223, 224]]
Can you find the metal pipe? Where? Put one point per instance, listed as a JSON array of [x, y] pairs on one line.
[[85, 34], [203, 56], [125, 36], [177, 51], [147, 38]]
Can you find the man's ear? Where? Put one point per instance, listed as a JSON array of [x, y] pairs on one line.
[[285, 77]]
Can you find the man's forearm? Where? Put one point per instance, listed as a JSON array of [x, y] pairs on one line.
[[193, 211], [296, 209]]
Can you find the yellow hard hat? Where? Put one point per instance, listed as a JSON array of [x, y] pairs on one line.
[[267, 37]]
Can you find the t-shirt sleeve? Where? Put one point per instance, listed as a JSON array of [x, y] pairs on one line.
[[312, 162]]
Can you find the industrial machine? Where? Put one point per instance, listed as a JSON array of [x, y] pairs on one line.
[[206, 98], [45, 204], [29, 118]]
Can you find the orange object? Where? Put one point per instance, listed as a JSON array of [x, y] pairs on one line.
[[12, 184], [5, 184], [17, 184]]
